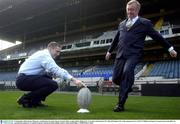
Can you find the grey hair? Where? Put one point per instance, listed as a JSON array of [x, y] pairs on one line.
[[136, 2]]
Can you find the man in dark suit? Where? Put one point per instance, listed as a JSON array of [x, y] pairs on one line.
[[129, 42]]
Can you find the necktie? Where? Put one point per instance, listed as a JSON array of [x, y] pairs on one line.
[[129, 24]]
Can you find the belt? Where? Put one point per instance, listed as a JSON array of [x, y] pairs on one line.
[[21, 74]]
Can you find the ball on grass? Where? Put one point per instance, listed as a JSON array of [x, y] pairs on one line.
[[84, 98]]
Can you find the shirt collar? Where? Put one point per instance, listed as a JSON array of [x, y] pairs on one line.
[[47, 51], [135, 19]]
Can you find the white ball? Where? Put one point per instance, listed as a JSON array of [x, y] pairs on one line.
[[84, 98]]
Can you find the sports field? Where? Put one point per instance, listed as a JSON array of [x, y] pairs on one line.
[[64, 106]]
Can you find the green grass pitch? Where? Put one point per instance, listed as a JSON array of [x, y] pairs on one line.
[[64, 106]]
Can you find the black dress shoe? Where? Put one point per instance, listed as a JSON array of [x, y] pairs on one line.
[[24, 101], [118, 108], [39, 104]]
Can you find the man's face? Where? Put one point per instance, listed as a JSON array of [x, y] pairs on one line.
[[132, 10], [55, 52]]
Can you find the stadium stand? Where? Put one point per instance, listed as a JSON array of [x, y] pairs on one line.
[[7, 80], [85, 34], [167, 69], [8, 76]]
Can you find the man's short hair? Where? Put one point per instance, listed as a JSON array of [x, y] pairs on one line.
[[53, 44], [136, 2]]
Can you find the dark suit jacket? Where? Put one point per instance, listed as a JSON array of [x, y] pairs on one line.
[[131, 42]]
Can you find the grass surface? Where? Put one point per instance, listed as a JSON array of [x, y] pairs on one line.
[[64, 106]]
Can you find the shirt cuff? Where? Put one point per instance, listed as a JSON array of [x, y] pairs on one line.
[[170, 49], [69, 77]]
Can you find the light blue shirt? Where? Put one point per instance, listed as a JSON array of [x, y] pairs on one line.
[[42, 62], [133, 20]]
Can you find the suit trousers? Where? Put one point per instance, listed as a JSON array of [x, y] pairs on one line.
[[123, 75], [39, 86]]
